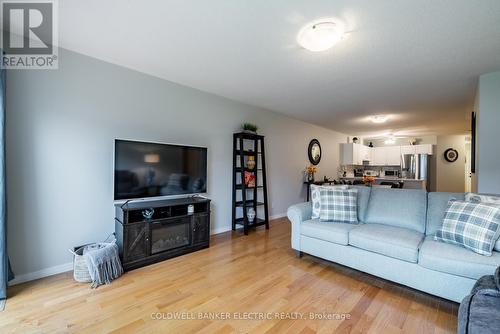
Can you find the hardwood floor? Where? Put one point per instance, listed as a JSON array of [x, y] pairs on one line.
[[237, 274]]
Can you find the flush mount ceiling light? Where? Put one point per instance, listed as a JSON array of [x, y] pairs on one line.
[[321, 35], [390, 140], [378, 119]]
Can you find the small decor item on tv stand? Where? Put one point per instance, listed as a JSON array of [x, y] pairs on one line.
[[148, 213]]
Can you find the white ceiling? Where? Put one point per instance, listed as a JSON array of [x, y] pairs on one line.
[[418, 61]]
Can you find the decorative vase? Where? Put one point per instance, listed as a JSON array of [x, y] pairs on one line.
[[251, 215], [251, 162], [249, 179], [310, 177]]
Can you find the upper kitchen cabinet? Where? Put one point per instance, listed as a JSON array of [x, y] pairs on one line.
[[378, 156], [423, 149], [393, 155], [386, 156], [354, 154], [417, 149], [408, 149], [365, 153]]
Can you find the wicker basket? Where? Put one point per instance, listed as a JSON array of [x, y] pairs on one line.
[[80, 271]]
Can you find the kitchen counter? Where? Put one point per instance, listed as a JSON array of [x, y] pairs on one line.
[[385, 178], [408, 183]]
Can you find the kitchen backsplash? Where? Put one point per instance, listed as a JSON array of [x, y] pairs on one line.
[[372, 170]]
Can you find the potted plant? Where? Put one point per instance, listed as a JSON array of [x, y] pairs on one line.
[[249, 128], [368, 180]]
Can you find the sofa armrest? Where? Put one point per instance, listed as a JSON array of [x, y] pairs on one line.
[[297, 214]]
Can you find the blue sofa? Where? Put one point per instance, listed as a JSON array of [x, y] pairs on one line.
[[394, 240]]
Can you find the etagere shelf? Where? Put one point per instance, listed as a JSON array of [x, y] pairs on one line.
[[249, 195]]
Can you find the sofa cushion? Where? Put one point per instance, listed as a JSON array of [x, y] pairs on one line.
[[398, 207], [456, 260], [436, 208], [396, 242], [328, 231], [363, 198]]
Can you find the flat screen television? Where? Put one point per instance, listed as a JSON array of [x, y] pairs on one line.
[[145, 169]]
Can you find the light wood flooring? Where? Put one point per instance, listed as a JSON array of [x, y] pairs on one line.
[[239, 276]]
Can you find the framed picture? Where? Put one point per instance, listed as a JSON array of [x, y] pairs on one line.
[[473, 143]]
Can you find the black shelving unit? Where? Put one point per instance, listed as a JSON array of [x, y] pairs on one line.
[[244, 197]]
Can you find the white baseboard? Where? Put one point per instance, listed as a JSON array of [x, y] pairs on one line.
[[220, 230], [69, 266], [62, 268], [279, 215], [228, 228]]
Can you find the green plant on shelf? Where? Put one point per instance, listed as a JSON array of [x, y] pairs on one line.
[[249, 127]]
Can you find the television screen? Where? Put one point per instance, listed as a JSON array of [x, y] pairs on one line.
[[149, 169]]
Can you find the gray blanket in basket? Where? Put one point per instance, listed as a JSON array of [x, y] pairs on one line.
[[104, 264]]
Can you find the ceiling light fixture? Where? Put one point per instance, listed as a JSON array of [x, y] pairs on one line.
[[321, 35], [390, 141], [378, 119]]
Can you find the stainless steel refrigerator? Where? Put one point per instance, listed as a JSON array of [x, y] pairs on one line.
[[415, 166]]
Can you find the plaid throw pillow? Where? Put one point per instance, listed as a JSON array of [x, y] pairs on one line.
[[339, 205], [475, 226], [315, 197]]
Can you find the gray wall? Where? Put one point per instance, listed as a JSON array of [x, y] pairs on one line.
[[450, 176], [60, 133], [488, 156]]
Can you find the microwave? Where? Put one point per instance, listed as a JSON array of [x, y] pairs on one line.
[[391, 173]]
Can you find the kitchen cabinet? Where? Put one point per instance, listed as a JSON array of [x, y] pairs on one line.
[[417, 149], [386, 156], [423, 149], [378, 156], [392, 155], [365, 153], [354, 154], [408, 149]]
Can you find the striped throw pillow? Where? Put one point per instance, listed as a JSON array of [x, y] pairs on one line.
[[339, 205], [315, 197], [475, 226]]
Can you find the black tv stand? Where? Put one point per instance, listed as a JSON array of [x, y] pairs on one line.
[[150, 231]]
